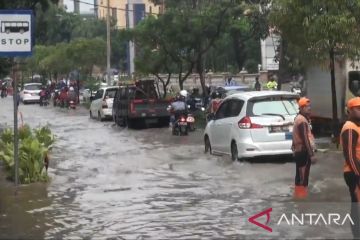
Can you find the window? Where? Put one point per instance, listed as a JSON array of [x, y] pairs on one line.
[[223, 111], [354, 82], [33, 87], [99, 94], [110, 93], [273, 105], [235, 107]]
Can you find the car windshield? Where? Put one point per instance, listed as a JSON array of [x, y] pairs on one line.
[[110, 93], [32, 87], [273, 107]]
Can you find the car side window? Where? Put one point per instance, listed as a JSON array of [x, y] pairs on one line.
[[99, 94], [235, 107], [223, 110]]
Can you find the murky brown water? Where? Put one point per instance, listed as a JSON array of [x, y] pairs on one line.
[[109, 182]]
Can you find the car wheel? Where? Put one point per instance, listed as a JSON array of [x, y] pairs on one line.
[[234, 151], [207, 145]]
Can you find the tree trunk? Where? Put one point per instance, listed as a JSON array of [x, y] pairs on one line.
[[200, 70], [282, 70], [335, 120]]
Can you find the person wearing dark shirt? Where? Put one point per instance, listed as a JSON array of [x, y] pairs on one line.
[[303, 146]]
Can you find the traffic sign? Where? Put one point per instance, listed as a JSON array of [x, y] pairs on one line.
[[16, 33]]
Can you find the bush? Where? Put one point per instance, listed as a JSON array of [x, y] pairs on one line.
[[34, 147]]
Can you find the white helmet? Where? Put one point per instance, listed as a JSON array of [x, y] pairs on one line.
[[71, 89], [183, 93]]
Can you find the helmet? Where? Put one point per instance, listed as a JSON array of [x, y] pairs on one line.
[[215, 94], [71, 89], [183, 93]]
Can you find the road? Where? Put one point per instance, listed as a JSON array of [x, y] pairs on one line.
[[111, 182]]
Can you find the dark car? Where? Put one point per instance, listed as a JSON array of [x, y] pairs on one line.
[[139, 102]]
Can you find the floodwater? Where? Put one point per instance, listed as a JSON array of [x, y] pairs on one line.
[[109, 182]]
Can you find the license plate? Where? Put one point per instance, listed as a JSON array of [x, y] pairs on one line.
[[151, 120], [183, 123], [276, 129]]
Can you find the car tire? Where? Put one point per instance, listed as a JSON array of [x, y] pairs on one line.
[[234, 151], [207, 145]]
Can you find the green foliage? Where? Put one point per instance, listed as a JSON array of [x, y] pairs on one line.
[[34, 147], [251, 66]]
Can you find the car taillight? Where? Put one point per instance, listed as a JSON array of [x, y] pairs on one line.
[[182, 120], [245, 123], [104, 104]]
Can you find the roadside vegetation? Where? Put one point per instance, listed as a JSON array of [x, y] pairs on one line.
[[34, 149]]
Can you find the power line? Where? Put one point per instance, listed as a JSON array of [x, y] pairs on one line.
[[120, 9]]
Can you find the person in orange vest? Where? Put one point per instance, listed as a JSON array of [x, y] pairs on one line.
[[350, 141], [303, 146]]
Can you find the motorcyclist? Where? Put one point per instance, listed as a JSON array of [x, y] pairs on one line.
[[215, 102], [63, 96], [177, 108], [43, 95], [71, 95], [194, 98]]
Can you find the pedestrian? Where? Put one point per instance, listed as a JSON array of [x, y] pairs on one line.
[[230, 82], [257, 84], [350, 141], [303, 146], [272, 84]]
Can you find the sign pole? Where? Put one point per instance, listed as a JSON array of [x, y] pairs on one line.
[[16, 131]]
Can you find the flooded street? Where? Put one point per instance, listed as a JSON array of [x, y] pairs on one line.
[[113, 183]]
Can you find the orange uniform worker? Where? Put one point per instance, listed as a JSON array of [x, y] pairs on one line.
[[303, 146], [350, 141]]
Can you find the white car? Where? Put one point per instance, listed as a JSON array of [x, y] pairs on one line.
[[30, 92], [252, 124], [102, 102]]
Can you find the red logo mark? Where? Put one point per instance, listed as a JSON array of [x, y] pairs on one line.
[[253, 221]]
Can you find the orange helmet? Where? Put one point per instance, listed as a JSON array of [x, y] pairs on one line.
[[353, 102], [303, 102]]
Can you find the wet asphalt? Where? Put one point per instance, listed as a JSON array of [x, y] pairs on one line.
[[109, 182]]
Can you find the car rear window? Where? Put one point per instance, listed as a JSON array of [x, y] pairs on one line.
[[32, 87], [110, 93], [287, 106]]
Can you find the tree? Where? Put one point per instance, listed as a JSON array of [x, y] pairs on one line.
[[319, 30]]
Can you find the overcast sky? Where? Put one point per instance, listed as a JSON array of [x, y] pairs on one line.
[[84, 8]]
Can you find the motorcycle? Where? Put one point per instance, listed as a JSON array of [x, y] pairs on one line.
[[180, 126], [72, 104], [44, 101]]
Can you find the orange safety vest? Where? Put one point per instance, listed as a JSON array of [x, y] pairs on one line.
[[298, 144], [350, 125]]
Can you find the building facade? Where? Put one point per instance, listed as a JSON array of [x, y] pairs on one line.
[[128, 13]]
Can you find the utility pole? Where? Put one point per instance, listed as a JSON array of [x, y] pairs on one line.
[[108, 49], [16, 132], [130, 12]]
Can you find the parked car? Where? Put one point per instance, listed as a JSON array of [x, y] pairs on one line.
[[102, 102], [251, 124], [140, 102], [229, 90], [30, 93]]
